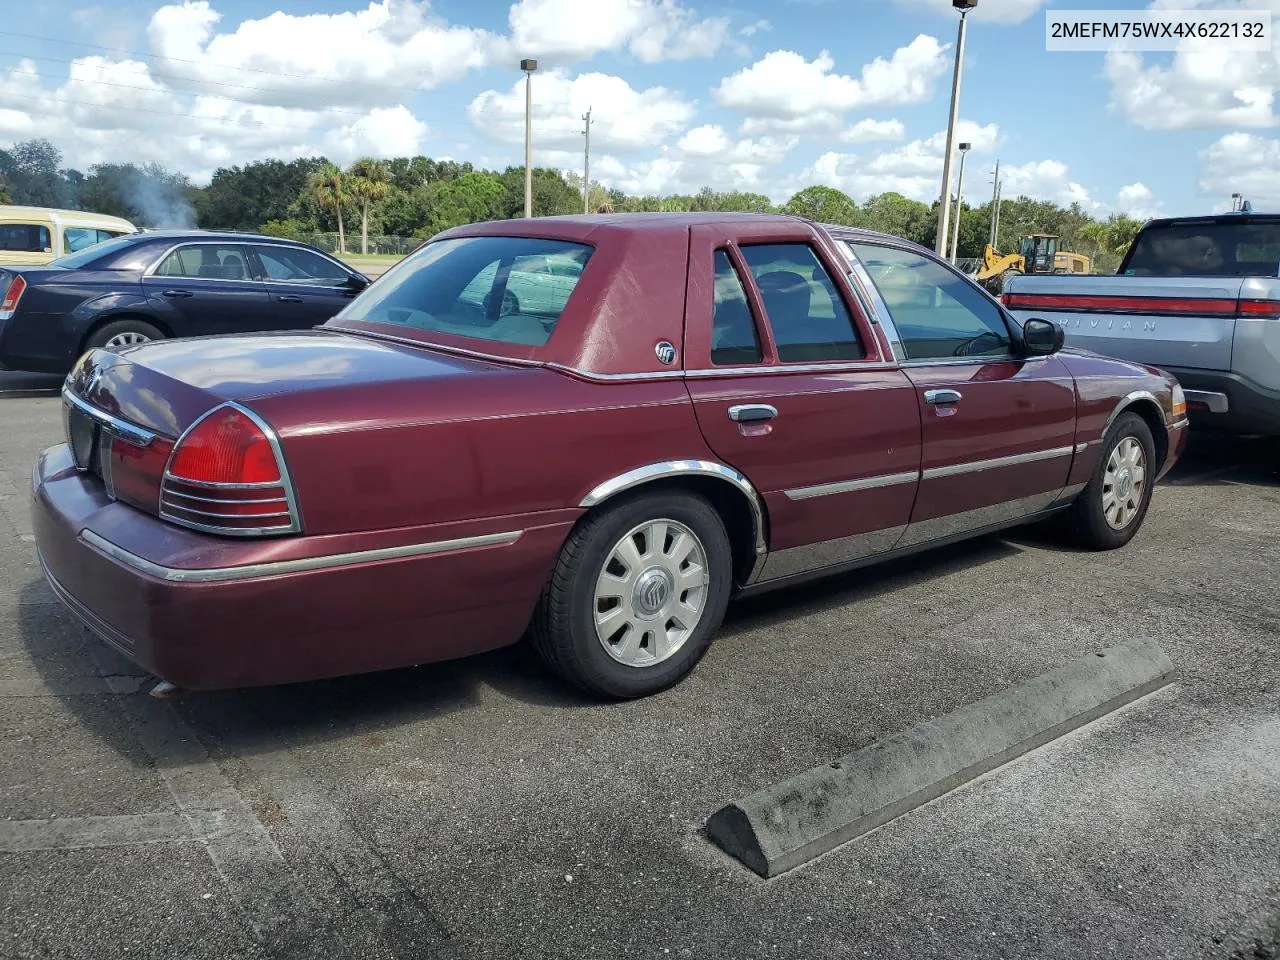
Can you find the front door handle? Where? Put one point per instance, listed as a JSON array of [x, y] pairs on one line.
[[941, 396], [752, 412], [289, 298], [177, 293]]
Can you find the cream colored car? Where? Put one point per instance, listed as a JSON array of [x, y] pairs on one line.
[[33, 236]]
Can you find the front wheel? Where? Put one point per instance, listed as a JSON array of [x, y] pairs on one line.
[[638, 592], [1109, 511]]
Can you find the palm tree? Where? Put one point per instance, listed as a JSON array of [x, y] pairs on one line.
[[329, 187], [370, 181]]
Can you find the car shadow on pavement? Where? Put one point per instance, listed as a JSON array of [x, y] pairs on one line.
[[1215, 459]]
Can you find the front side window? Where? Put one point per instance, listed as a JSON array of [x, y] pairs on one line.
[[205, 261], [807, 315], [938, 314], [25, 238], [293, 265], [77, 238], [505, 289], [734, 340]]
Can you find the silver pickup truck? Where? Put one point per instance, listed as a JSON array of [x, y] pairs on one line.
[[1196, 296]]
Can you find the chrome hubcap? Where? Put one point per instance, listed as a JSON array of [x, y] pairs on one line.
[[127, 339], [1123, 483], [651, 593]]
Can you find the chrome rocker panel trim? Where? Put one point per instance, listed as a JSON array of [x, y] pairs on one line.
[[277, 568]]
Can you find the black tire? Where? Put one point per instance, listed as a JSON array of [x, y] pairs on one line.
[[1086, 517], [563, 630], [116, 328]]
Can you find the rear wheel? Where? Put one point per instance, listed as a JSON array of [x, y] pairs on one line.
[[122, 333], [637, 594], [1109, 511]]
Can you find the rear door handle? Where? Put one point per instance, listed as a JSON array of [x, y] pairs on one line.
[[177, 293], [289, 298], [941, 396], [752, 412]]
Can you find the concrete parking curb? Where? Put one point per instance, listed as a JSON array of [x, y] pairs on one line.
[[782, 826]]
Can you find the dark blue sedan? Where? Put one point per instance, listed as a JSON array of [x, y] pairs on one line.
[[154, 285]]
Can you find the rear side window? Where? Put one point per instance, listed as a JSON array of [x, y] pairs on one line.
[[1206, 249], [75, 239], [807, 315], [206, 261], [25, 238], [505, 289], [734, 340]]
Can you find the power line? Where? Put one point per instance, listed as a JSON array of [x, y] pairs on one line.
[[203, 63]]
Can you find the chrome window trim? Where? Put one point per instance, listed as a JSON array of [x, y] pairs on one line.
[[150, 272], [280, 567], [834, 366], [120, 428], [848, 486], [285, 482], [349, 271], [684, 468], [977, 466]]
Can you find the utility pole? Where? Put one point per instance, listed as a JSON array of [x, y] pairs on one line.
[[944, 207], [528, 66], [586, 163], [955, 237], [995, 196]]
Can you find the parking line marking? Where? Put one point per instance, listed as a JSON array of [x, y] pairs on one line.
[[77, 833]]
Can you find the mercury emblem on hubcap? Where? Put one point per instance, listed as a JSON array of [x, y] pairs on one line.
[[653, 587]]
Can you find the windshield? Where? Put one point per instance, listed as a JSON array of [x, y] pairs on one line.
[[1206, 249], [82, 258], [506, 289]]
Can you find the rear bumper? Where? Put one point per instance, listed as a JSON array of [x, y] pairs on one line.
[[232, 625], [1229, 401]]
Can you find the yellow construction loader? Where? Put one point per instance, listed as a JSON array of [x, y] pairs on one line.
[[1037, 253]]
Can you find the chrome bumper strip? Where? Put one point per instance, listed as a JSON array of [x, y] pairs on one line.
[[254, 571]]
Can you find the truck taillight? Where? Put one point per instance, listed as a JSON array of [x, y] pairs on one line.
[[1259, 308], [227, 475], [17, 286]]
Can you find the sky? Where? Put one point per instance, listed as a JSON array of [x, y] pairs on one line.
[[767, 96]]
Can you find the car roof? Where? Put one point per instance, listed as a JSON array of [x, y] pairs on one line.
[[1237, 216], [11, 211], [175, 235]]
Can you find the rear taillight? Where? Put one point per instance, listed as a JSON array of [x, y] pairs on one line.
[[1259, 308], [17, 286], [227, 475]]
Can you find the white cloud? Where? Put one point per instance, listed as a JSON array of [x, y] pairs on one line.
[[371, 57], [1137, 200], [711, 141], [1201, 87], [865, 131], [1046, 180], [1242, 163], [751, 29], [997, 11], [622, 118], [785, 92], [650, 30], [383, 132]]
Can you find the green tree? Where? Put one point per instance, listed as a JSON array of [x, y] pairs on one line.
[[900, 216], [369, 182], [244, 198], [5, 195], [471, 198], [824, 205], [328, 186], [552, 194], [31, 168]]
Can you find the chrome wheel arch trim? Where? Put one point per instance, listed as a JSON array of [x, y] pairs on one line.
[[1129, 400], [667, 469]]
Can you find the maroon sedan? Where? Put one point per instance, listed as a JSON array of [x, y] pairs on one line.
[[594, 430]]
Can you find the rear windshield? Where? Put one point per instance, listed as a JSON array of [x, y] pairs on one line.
[[1206, 249], [505, 289], [98, 251]]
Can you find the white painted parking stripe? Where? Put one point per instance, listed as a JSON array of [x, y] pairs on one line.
[[75, 833]]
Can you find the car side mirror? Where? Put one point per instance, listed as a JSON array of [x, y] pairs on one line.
[[357, 282], [1041, 337]]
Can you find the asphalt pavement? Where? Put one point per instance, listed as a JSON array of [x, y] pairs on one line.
[[482, 809]]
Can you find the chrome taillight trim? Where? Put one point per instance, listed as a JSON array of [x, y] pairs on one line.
[[284, 484], [230, 516], [192, 496]]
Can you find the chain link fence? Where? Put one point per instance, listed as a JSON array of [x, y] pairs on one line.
[[397, 246]]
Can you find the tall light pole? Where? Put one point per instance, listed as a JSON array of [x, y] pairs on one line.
[[586, 163], [955, 237], [528, 66], [995, 209], [944, 208]]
